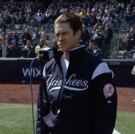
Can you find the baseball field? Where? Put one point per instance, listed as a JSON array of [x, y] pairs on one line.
[[16, 115]]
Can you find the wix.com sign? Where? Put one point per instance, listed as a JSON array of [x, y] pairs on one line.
[[35, 72]]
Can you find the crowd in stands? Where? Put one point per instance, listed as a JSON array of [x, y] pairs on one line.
[[97, 19], [127, 45]]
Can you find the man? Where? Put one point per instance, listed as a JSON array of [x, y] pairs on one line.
[[84, 39], [97, 37], [28, 50], [26, 36], [3, 47], [13, 50], [42, 44], [96, 50], [79, 96], [36, 37], [126, 46], [3, 26], [107, 41]]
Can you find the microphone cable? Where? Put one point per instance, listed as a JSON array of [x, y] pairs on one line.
[[31, 90]]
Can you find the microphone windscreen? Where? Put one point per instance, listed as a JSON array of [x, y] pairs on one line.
[[48, 53]]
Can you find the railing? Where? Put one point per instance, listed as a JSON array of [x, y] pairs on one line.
[[22, 26], [113, 55], [115, 52]]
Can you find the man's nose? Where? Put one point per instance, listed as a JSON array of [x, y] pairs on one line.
[[61, 37]]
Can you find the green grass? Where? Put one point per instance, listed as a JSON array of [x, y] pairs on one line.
[[125, 122], [17, 119]]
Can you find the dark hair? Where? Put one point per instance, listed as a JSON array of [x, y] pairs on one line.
[[73, 20]]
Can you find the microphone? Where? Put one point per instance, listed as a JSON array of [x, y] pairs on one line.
[[46, 53]]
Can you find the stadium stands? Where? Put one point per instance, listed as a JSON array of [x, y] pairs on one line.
[[95, 16]]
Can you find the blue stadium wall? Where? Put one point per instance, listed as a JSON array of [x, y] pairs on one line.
[[18, 71]]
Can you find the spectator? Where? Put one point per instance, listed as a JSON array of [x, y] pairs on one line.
[[132, 36], [20, 19], [107, 41], [26, 36], [8, 39], [3, 47], [28, 51], [93, 19], [96, 50], [33, 20], [84, 39], [42, 33], [35, 37], [15, 37], [3, 26], [44, 21], [126, 46], [117, 24], [97, 37], [89, 48], [128, 18], [38, 47], [28, 19], [13, 50], [38, 16]]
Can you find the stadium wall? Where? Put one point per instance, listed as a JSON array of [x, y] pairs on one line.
[[18, 70]]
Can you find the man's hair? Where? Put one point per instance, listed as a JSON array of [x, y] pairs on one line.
[[73, 20]]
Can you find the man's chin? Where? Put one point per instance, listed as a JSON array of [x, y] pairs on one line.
[[62, 49]]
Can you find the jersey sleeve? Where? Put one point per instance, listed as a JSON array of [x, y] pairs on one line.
[[104, 100]]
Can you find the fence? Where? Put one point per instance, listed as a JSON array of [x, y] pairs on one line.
[[31, 27], [17, 70], [115, 52]]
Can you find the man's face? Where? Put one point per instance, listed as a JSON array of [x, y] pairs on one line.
[[65, 36], [93, 46], [14, 42], [42, 43], [28, 44]]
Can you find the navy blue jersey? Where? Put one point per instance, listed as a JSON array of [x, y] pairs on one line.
[[82, 102]]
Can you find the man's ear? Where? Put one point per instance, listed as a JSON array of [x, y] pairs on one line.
[[78, 34]]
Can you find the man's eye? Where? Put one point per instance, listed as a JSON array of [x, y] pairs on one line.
[[57, 35], [65, 33]]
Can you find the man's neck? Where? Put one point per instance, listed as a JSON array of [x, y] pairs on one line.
[[66, 55]]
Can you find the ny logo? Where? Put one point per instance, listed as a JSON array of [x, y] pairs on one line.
[[51, 54]]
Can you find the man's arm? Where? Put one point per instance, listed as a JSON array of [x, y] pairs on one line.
[[105, 100]]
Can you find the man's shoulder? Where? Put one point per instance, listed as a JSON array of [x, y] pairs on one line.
[[38, 46], [93, 60]]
